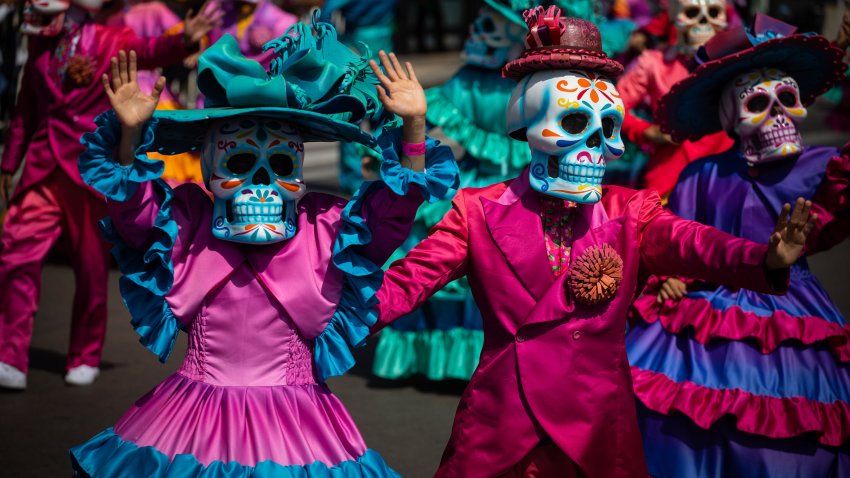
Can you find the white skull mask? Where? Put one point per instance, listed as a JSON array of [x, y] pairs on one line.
[[762, 107], [697, 20], [572, 121], [253, 167], [493, 40], [44, 17]]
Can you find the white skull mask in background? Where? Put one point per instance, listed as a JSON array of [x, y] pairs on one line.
[[572, 121], [697, 20], [493, 40], [44, 17], [762, 107], [253, 167]]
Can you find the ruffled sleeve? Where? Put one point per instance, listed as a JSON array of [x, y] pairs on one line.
[[349, 326], [98, 166], [147, 271]]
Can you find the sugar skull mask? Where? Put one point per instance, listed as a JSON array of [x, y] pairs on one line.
[[44, 17], [571, 119], [253, 167], [493, 40], [697, 20], [762, 107]]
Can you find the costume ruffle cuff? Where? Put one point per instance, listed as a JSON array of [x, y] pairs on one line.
[[350, 324], [107, 454], [101, 171], [147, 276]]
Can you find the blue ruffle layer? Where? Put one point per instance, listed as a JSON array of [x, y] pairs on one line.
[[805, 298], [789, 371], [356, 313], [108, 455], [146, 278], [676, 447]]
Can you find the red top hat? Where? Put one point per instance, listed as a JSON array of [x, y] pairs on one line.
[[560, 43]]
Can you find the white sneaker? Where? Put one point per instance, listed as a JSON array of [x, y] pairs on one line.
[[82, 375], [11, 377]]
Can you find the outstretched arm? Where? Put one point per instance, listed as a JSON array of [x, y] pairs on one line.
[[441, 258], [674, 246]]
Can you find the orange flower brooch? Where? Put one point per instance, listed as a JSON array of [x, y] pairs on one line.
[[80, 70], [596, 274]]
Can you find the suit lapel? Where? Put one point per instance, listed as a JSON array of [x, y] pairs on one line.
[[514, 223]]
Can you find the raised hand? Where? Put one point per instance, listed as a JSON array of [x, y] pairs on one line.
[[399, 91], [132, 106], [197, 25], [788, 238]]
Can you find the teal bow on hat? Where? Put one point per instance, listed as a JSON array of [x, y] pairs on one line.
[[315, 82]]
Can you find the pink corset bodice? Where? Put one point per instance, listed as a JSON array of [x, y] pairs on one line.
[[243, 337]]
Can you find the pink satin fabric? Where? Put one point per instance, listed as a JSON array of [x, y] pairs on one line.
[[756, 414], [34, 223], [766, 333], [245, 391], [551, 366]]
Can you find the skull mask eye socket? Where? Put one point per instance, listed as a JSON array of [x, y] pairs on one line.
[[574, 123], [281, 164], [757, 103], [608, 127], [691, 12], [714, 11], [241, 163], [787, 98]]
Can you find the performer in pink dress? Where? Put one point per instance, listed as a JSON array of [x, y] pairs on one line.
[[273, 285], [554, 260], [652, 75], [59, 99]]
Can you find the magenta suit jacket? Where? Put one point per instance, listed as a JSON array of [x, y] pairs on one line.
[[49, 118], [551, 366]]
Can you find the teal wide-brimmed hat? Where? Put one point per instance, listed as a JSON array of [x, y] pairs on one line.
[[315, 83]]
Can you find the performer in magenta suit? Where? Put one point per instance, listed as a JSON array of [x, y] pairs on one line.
[[734, 382], [60, 96], [554, 261], [273, 285]]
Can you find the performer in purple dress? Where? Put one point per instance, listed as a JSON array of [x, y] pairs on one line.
[[732, 382]]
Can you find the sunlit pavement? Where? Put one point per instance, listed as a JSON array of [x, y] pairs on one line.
[[407, 423]]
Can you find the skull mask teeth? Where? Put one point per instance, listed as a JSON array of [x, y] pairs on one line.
[[698, 20], [253, 168], [572, 121], [763, 108]]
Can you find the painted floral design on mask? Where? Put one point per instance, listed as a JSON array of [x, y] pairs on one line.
[[253, 167], [763, 108], [572, 121]]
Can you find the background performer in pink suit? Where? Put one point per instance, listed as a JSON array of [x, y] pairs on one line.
[[60, 96], [554, 261]]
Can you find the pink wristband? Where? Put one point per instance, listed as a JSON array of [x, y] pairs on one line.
[[412, 149]]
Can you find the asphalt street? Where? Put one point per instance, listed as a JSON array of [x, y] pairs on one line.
[[408, 423]]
